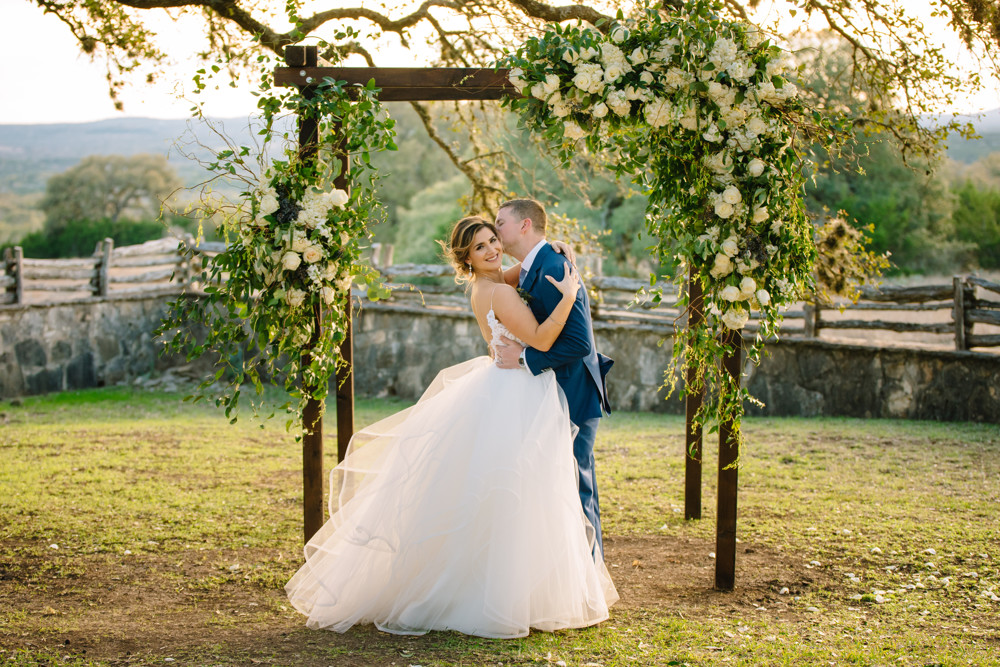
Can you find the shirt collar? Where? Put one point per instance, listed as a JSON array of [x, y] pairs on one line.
[[530, 257]]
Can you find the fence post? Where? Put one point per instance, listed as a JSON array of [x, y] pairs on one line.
[[13, 266], [811, 319], [958, 312], [104, 264]]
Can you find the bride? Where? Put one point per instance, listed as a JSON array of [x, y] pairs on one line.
[[462, 512]]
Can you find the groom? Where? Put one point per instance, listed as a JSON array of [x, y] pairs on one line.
[[579, 369]]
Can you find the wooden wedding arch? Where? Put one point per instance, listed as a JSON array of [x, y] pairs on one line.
[[435, 84]]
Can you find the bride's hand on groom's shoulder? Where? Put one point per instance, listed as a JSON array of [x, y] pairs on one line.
[[566, 249], [570, 283]]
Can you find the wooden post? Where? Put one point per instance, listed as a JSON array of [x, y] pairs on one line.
[[345, 373], [14, 266], [103, 269], [958, 313], [312, 414], [725, 528], [810, 318], [693, 402]]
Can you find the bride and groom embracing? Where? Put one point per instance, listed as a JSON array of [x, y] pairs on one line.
[[476, 509]]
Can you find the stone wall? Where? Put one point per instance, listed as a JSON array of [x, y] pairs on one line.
[[398, 350], [88, 343]]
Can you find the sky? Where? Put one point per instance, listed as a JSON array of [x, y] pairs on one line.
[[79, 91]]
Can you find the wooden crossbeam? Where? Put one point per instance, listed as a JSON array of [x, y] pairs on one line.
[[409, 83]]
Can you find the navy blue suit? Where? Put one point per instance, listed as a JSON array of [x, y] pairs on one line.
[[579, 369]]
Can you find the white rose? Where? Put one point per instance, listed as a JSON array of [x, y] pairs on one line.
[[689, 121], [755, 167], [290, 261], [571, 56], [731, 195], [338, 198], [760, 215], [268, 204], [747, 287], [730, 246], [722, 267], [600, 110], [756, 126], [638, 56], [776, 226], [618, 35], [573, 131], [554, 98], [720, 162], [763, 297], [514, 76], [330, 273], [646, 78], [300, 243], [294, 297], [538, 91], [588, 53], [551, 83], [633, 93], [734, 116], [613, 72], [312, 254], [735, 318], [329, 294], [730, 293], [724, 209]]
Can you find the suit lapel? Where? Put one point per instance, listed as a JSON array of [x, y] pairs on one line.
[[536, 269]]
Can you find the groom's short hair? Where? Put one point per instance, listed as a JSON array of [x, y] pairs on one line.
[[528, 208]]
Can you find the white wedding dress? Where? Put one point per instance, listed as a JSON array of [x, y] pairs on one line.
[[459, 513]]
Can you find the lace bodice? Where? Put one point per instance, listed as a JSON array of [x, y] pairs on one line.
[[498, 330]]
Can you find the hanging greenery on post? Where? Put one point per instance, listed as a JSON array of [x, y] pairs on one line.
[[293, 252], [702, 113]]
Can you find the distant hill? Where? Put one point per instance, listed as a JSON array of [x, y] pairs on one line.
[[30, 154]]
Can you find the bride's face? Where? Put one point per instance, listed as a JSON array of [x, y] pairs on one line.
[[486, 252]]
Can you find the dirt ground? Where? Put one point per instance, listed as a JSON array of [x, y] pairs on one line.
[[123, 614]]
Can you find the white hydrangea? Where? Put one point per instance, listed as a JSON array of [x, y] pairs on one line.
[[560, 109], [721, 94], [658, 112], [712, 134], [734, 116], [619, 103], [573, 131], [516, 78], [689, 121], [676, 78]]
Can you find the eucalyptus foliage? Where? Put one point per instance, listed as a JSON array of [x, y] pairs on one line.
[[703, 114]]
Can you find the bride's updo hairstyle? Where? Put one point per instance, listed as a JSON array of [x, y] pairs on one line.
[[460, 244]]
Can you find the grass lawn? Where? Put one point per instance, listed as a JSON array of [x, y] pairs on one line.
[[138, 529]]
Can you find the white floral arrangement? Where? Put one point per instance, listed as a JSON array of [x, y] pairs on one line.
[[703, 114]]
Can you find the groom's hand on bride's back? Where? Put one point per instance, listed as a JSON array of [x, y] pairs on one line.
[[508, 354]]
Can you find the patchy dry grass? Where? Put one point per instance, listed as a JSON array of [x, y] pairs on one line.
[[135, 528]]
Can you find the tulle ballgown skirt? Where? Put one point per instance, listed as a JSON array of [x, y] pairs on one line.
[[459, 513]]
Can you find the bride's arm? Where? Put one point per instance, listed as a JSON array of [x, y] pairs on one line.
[[519, 320], [511, 275]]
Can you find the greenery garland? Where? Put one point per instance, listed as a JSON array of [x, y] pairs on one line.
[[278, 299], [702, 114]]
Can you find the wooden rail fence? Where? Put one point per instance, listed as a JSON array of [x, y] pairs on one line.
[[967, 310]]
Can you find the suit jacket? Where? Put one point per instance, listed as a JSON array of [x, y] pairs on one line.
[[579, 369]]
